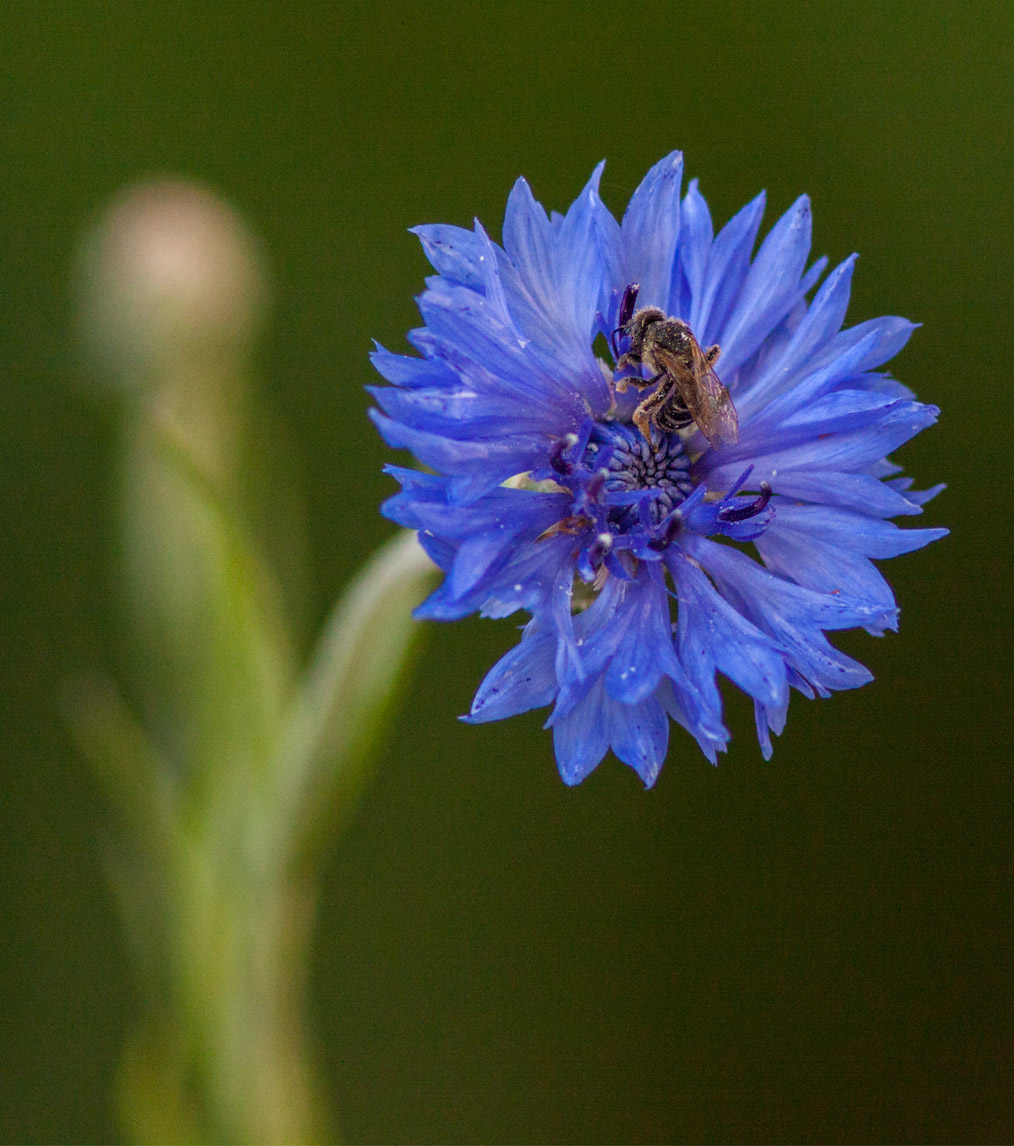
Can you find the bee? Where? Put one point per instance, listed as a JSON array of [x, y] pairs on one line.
[[688, 389]]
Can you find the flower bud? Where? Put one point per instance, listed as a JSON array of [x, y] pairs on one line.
[[168, 274]]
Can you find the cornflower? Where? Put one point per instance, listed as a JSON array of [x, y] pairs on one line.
[[622, 493]]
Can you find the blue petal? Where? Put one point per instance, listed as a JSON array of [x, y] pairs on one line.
[[847, 490], [595, 635], [461, 412], [645, 652], [771, 285], [893, 423], [416, 479], [609, 238], [439, 552], [794, 616], [848, 429], [868, 536], [713, 635], [555, 281], [892, 335], [760, 413], [539, 578], [841, 412], [769, 719], [650, 229], [821, 322], [881, 383], [453, 251], [580, 738], [531, 579], [696, 237], [502, 512], [728, 265], [705, 726], [479, 344], [815, 562], [405, 370], [625, 634], [489, 547], [774, 596], [917, 497], [492, 461], [596, 632], [521, 680], [638, 735], [528, 239], [488, 553], [580, 277], [488, 269]]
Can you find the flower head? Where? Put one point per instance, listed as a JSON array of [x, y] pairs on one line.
[[616, 414]]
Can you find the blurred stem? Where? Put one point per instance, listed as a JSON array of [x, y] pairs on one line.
[[122, 758], [243, 949], [248, 832], [240, 768], [328, 738], [224, 1054]]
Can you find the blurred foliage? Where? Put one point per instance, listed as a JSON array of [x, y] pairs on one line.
[[816, 948]]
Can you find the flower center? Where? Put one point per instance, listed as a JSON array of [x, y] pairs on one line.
[[633, 464], [625, 497]]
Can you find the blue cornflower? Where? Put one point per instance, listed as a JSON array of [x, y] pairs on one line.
[[557, 490]]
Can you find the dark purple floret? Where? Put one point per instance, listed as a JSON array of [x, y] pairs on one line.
[[745, 512]]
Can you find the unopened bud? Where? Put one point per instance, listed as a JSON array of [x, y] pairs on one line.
[[169, 274]]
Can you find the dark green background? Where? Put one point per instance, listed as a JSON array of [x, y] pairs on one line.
[[815, 948]]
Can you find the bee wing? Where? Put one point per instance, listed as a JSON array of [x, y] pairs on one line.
[[702, 391]]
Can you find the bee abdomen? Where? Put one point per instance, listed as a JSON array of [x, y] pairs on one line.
[[672, 418]]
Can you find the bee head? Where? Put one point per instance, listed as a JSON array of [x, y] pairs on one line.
[[640, 324]]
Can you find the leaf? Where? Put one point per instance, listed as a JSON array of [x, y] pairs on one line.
[[348, 688], [122, 758]]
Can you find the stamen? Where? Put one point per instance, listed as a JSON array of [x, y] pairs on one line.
[[556, 452], [671, 528], [743, 513], [626, 313], [596, 484]]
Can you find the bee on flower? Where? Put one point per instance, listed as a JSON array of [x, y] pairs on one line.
[[612, 414]]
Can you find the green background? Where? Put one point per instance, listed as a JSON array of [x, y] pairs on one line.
[[815, 948]]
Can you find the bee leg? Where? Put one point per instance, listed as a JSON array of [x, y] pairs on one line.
[[635, 380], [712, 353], [642, 420], [645, 414]]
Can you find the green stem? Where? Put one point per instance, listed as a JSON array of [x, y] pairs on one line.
[[218, 882]]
